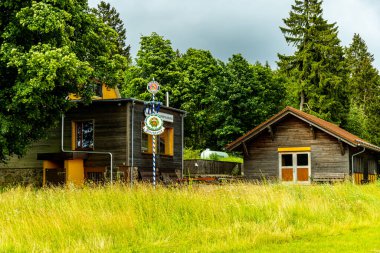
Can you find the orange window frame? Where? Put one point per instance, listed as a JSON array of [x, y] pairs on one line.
[[168, 141]]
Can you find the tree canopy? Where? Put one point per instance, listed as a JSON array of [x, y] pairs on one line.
[[155, 59], [364, 90], [49, 49], [245, 97], [317, 71], [111, 17]]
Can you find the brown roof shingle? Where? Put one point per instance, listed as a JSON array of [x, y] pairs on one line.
[[328, 127]]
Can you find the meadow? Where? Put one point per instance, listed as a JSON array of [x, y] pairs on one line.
[[195, 218]]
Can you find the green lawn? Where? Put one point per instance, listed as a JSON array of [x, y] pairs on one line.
[[198, 218]]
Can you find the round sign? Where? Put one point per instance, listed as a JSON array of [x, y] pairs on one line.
[[154, 125], [153, 87]]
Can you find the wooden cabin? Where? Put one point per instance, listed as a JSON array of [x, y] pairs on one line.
[[100, 142], [293, 146]]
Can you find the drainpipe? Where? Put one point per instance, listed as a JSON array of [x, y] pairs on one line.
[[352, 163], [84, 152], [183, 134], [132, 143]]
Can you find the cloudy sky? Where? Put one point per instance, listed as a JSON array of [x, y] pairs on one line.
[[249, 27]]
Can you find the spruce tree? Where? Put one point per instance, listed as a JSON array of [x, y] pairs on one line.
[[363, 76], [316, 69], [111, 17], [364, 87]]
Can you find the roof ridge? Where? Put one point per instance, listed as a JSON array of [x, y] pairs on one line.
[[325, 125]]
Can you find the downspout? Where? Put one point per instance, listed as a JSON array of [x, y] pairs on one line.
[[183, 134], [132, 143], [352, 163], [84, 152]]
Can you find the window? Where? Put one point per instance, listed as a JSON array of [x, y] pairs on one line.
[[287, 160], [83, 135], [164, 142], [98, 90], [95, 175], [302, 159], [294, 164]]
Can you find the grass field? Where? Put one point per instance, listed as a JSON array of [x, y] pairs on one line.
[[228, 218]]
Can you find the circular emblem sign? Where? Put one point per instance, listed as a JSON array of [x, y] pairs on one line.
[[153, 87], [154, 125]]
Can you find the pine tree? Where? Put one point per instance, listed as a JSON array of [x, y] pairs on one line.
[[111, 17], [364, 87], [363, 76], [316, 69]]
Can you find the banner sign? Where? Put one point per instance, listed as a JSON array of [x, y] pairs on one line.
[[154, 125]]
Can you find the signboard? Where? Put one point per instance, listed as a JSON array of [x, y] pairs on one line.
[[164, 116], [154, 125], [153, 87]]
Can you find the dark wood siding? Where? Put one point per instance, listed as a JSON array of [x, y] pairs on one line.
[[110, 131], [263, 158], [29, 160], [164, 163]]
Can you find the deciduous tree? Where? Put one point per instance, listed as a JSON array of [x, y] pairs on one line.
[[49, 49], [200, 71], [246, 96], [155, 59]]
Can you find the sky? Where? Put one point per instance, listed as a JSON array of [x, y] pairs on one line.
[[249, 27]]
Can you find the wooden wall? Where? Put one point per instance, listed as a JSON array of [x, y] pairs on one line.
[[165, 164], [110, 131], [29, 160], [366, 165], [263, 161]]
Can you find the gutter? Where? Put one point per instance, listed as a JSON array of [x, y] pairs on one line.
[[84, 152]]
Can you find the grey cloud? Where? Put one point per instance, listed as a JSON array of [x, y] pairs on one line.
[[250, 27]]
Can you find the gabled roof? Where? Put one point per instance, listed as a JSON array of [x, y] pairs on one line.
[[314, 121]]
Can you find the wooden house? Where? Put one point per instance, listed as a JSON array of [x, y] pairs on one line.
[[293, 146], [102, 141]]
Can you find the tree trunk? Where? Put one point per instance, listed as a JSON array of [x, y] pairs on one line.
[[302, 97]]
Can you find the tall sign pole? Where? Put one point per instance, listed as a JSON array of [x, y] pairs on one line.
[[154, 125]]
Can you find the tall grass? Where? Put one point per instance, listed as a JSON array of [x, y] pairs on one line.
[[204, 218]]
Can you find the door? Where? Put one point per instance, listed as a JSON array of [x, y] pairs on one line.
[[294, 167]]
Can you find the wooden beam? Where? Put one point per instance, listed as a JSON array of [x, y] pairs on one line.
[[270, 130], [245, 149], [341, 146], [312, 132], [294, 149]]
